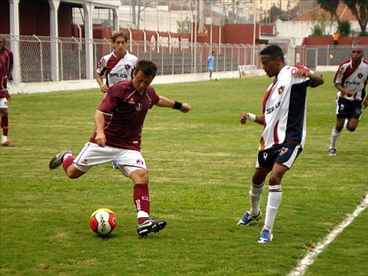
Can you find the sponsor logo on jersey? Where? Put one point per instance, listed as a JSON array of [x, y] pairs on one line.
[[272, 109]]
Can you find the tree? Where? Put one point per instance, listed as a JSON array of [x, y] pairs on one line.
[[331, 7], [360, 10]]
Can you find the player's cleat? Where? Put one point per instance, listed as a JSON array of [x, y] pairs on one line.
[[7, 144], [149, 226], [115, 165], [266, 236], [249, 219], [332, 152], [57, 160]]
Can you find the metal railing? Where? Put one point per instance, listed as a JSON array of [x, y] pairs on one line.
[[181, 58]]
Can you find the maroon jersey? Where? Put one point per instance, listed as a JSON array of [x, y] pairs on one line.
[[125, 110], [6, 68]]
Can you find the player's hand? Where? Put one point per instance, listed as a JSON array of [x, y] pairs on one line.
[[349, 93], [302, 73], [365, 103], [243, 117], [104, 88], [185, 108], [100, 139]]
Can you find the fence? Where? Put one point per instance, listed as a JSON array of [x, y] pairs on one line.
[[182, 58]]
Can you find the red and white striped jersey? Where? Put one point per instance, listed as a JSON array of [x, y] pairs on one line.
[[116, 69], [353, 80], [284, 109]]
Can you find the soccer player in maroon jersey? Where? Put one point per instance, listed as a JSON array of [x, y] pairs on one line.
[[6, 69], [350, 80], [117, 138]]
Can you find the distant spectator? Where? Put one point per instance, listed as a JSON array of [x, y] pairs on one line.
[[336, 37], [356, 42]]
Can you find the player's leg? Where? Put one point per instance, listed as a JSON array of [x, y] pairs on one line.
[[255, 192], [142, 203], [283, 162], [342, 107], [353, 121], [132, 164], [4, 122]]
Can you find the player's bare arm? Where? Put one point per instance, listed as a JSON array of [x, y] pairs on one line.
[[347, 92], [249, 116], [100, 133], [317, 79], [165, 102], [103, 86]]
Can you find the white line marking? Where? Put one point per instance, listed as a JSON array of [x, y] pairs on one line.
[[308, 260]]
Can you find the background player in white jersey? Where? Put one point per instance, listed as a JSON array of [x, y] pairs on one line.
[[118, 65], [351, 80], [284, 121], [117, 138]]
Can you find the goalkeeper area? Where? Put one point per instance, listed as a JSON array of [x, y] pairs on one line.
[[200, 166]]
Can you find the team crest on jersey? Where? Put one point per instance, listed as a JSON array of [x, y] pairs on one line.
[[138, 107], [281, 89], [283, 151], [360, 75], [127, 66]]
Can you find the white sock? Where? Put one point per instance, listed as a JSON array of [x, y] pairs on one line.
[[274, 200], [255, 194], [334, 136], [4, 139]]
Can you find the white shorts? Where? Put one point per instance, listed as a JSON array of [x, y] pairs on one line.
[[92, 155], [4, 103]]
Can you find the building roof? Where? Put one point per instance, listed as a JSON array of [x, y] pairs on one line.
[[342, 11]]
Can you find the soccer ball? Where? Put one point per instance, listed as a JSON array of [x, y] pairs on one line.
[[103, 221]]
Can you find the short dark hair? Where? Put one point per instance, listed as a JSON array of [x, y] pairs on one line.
[[274, 51], [148, 67]]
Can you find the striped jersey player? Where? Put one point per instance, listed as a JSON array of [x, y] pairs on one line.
[[350, 80], [118, 65], [283, 137]]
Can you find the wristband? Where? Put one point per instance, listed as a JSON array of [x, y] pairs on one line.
[[177, 105], [252, 117]]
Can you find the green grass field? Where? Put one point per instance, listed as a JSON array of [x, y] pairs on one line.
[[200, 167]]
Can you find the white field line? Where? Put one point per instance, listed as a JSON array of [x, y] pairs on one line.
[[308, 260]]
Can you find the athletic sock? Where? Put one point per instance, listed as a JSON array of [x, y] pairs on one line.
[[4, 128], [67, 161], [274, 200], [255, 194], [142, 202], [334, 136]]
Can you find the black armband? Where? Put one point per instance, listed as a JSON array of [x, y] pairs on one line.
[[177, 105]]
